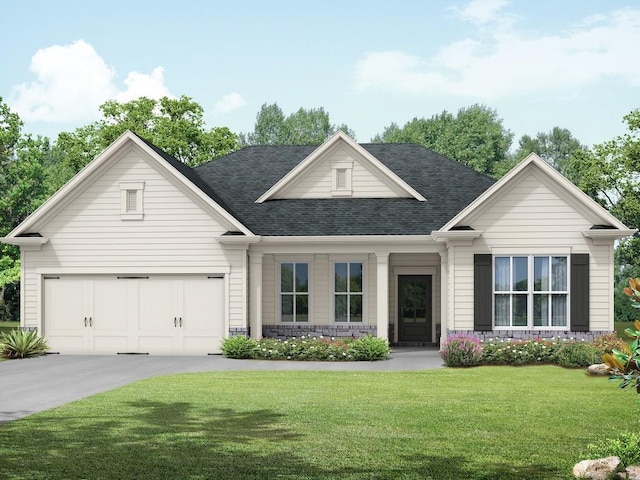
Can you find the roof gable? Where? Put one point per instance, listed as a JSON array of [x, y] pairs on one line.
[[362, 175], [551, 178], [184, 176]]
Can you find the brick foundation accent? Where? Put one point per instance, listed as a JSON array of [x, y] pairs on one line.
[[337, 331], [235, 331], [509, 335]]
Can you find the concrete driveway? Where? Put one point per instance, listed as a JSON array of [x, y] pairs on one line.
[[35, 384]]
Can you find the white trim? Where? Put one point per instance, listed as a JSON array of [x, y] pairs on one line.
[[530, 292], [126, 188], [215, 271], [607, 236], [295, 259], [542, 166], [26, 243], [305, 164], [77, 183], [362, 259]]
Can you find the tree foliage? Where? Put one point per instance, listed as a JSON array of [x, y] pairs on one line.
[[474, 136], [174, 125], [610, 174], [303, 127], [556, 147]]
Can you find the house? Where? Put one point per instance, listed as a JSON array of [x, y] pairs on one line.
[[140, 253]]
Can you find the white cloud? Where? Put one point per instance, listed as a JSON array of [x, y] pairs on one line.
[[73, 81], [511, 63], [229, 103], [480, 12]]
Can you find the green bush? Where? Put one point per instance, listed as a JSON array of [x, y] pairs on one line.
[[461, 351], [520, 352], [22, 344], [369, 348], [578, 354], [626, 446], [239, 347], [606, 343], [307, 348]]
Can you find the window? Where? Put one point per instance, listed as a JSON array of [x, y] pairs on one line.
[[294, 292], [341, 178], [530, 291], [131, 200], [347, 291]]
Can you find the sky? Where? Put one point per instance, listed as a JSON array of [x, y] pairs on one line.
[[539, 64]]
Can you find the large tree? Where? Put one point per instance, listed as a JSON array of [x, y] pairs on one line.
[[23, 186], [474, 136], [556, 147], [174, 125], [303, 127], [610, 174]]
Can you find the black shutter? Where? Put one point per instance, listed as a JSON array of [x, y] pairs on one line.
[[482, 292], [579, 292]]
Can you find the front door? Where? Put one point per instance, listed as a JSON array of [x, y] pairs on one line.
[[414, 308]]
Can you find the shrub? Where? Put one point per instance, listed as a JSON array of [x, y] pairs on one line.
[[606, 343], [369, 348], [520, 352], [461, 351], [577, 354], [22, 344], [626, 446], [239, 347]]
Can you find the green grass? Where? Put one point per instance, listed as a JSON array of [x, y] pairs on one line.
[[8, 326], [482, 423]]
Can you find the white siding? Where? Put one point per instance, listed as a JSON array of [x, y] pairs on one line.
[[317, 182], [176, 233], [531, 218]]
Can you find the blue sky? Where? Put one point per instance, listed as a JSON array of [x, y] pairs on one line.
[[540, 64]]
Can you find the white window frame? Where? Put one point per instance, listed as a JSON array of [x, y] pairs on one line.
[[126, 189], [279, 293], [338, 168], [530, 293], [363, 294]]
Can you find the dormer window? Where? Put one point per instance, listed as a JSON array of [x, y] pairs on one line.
[[341, 178], [131, 200]]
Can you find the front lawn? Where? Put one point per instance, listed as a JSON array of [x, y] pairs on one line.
[[8, 326], [481, 423]]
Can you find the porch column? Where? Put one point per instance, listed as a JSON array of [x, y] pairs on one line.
[[255, 294], [382, 294], [444, 295]]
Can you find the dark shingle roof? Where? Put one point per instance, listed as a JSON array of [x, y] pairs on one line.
[[237, 180]]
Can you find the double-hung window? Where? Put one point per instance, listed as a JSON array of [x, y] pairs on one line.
[[294, 292], [347, 291], [530, 291]]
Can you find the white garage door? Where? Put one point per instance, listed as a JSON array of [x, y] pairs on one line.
[[127, 314]]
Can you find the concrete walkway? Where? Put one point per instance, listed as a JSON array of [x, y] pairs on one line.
[[35, 384]]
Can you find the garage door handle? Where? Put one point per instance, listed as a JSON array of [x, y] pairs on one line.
[[85, 321], [175, 322], [90, 321], [180, 321]]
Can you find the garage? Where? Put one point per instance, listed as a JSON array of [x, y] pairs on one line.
[[155, 314]]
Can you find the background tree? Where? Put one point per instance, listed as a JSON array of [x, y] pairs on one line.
[[303, 127], [474, 136], [174, 125], [555, 147], [23, 187], [610, 174]]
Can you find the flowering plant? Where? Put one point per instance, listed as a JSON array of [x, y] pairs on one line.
[[461, 351]]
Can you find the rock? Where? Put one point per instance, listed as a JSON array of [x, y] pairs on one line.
[[600, 369], [631, 473], [600, 469]]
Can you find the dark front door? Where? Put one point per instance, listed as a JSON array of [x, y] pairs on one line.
[[414, 308]]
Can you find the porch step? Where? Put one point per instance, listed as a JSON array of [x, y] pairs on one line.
[[415, 344]]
